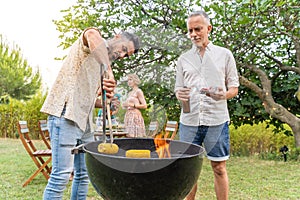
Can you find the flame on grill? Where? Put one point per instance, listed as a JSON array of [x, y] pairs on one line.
[[162, 146]]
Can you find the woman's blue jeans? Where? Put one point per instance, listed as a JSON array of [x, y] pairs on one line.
[[64, 135]]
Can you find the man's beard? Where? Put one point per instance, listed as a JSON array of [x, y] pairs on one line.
[[200, 44], [111, 55]]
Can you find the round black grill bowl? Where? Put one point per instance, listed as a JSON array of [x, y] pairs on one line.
[[116, 177]]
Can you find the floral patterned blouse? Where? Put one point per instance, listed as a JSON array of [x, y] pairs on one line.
[[75, 87]]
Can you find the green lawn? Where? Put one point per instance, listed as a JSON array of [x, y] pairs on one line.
[[250, 178]]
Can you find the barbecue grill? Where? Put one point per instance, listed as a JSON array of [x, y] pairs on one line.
[[116, 177]]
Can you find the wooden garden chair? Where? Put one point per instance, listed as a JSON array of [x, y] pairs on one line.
[[44, 133], [171, 129], [41, 158], [153, 129]]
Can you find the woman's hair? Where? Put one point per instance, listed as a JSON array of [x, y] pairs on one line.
[[135, 78]]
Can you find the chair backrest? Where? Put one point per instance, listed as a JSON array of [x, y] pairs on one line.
[[44, 133], [25, 138], [171, 129], [153, 128]]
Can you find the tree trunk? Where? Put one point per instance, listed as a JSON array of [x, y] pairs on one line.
[[275, 110], [279, 112], [296, 131]]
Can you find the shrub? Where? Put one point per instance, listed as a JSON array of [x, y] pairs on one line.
[[16, 110], [258, 140]]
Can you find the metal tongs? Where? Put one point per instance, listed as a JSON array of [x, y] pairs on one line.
[[105, 105]]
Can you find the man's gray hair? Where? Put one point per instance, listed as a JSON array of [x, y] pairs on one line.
[[134, 38], [200, 13]]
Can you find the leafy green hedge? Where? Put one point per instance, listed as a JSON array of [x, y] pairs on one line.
[[258, 140], [16, 110]]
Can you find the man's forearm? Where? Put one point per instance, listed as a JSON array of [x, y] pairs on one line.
[[232, 92]]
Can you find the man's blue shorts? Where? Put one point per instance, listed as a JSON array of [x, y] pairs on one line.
[[215, 139]]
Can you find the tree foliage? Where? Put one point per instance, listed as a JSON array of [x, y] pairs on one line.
[[265, 39], [263, 36], [161, 28], [17, 78]]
